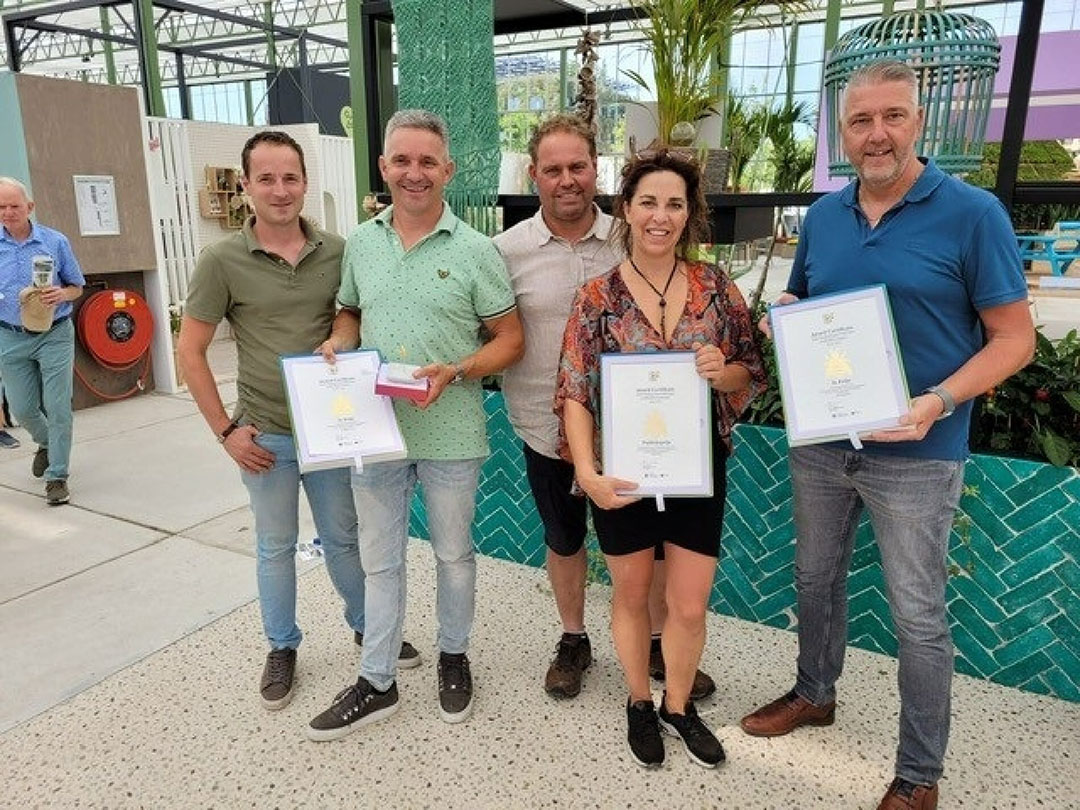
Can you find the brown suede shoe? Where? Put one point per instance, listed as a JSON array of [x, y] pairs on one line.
[[701, 688], [786, 714], [903, 795]]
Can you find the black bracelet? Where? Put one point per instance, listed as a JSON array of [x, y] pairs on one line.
[[225, 433]]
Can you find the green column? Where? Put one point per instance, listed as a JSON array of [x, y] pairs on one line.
[[107, 46], [358, 101], [271, 46], [155, 100], [563, 100], [249, 104], [832, 24]]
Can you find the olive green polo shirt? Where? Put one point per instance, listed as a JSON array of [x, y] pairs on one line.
[[425, 305], [273, 308]]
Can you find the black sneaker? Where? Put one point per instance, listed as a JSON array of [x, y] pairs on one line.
[[643, 734], [355, 706], [701, 688], [455, 687], [277, 683], [701, 744], [408, 657], [40, 462], [572, 657]]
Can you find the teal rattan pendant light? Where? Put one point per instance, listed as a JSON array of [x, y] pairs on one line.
[[955, 57]]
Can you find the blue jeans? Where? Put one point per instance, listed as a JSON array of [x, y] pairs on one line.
[[911, 503], [383, 494], [275, 502], [37, 372]]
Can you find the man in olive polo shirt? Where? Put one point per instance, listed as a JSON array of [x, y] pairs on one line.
[[417, 285], [275, 282]]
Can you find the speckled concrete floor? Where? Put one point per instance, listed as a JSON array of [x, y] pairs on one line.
[[184, 728]]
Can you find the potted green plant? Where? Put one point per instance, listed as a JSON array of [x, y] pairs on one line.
[[684, 37]]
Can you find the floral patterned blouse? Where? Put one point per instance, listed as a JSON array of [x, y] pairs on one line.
[[605, 318]]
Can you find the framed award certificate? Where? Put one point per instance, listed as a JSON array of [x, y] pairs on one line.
[[839, 365], [656, 422], [338, 419]]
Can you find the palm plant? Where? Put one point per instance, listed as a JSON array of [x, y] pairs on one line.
[[684, 36], [792, 159], [744, 129]]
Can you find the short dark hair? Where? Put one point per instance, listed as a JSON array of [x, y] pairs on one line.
[[562, 122], [275, 138], [664, 160]]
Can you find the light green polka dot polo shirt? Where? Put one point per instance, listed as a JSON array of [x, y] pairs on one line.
[[425, 305]]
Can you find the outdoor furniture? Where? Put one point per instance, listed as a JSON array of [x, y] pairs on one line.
[[1058, 248]]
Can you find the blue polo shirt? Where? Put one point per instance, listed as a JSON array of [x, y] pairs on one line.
[[16, 264], [945, 252]]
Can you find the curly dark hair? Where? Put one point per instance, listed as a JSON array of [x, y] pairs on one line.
[[664, 160]]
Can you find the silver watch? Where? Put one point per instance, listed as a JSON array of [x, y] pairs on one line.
[[946, 399]]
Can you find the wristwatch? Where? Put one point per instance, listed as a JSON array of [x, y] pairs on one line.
[[946, 399], [225, 433], [459, 373]]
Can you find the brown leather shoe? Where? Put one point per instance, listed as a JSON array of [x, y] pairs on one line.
[[572, 657], [786, 714], [701, 688], [903, 795]]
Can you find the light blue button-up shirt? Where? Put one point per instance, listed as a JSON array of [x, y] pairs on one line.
[[16, 263]]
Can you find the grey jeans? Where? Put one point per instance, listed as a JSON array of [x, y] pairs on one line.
[[911, 502]]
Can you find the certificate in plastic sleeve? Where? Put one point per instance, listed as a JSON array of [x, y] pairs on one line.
[[841, 374], [338, 420], [655, 423]]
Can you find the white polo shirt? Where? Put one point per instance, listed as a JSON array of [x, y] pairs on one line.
[[546, 272]]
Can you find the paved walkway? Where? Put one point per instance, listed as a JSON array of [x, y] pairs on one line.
[[132, 651]]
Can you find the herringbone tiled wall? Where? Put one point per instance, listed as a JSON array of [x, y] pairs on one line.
[[1014, 598]]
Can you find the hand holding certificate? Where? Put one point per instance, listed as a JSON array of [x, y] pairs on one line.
[[656, 422], [338, 419], [839, 367]]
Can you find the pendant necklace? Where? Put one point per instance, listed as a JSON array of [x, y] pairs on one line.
[[659, 293]]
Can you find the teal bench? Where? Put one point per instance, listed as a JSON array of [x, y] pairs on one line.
[[1058, 248]]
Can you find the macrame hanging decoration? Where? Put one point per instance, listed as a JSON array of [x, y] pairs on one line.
[[446, 64], [585, 102]]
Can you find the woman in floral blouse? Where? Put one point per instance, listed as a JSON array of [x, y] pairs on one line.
[[658, 300]]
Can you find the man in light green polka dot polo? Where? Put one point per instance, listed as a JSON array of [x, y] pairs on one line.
[[418, 284]]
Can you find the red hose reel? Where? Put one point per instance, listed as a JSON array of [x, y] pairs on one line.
[[116, 327]]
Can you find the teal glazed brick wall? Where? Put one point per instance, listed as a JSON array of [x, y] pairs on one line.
[[1014, 603]]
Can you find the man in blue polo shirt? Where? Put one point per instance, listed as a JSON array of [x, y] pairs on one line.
[[36, 364], [947, 255]]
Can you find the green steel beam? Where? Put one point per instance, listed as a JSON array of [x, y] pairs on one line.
[[358, 101], [564, 102], [832, 24], [722, 76], [155, 99], [249, 104], [107, 47], [271, 50]]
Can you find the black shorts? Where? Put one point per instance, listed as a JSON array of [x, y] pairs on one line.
[[562, 513], [691, 523]]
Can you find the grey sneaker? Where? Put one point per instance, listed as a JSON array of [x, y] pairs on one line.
[[355, 706], [701, 744], [643, 734], [455, 687], [8, 441], [277, 684], [40, 462], [56, 492], [408, 657]]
